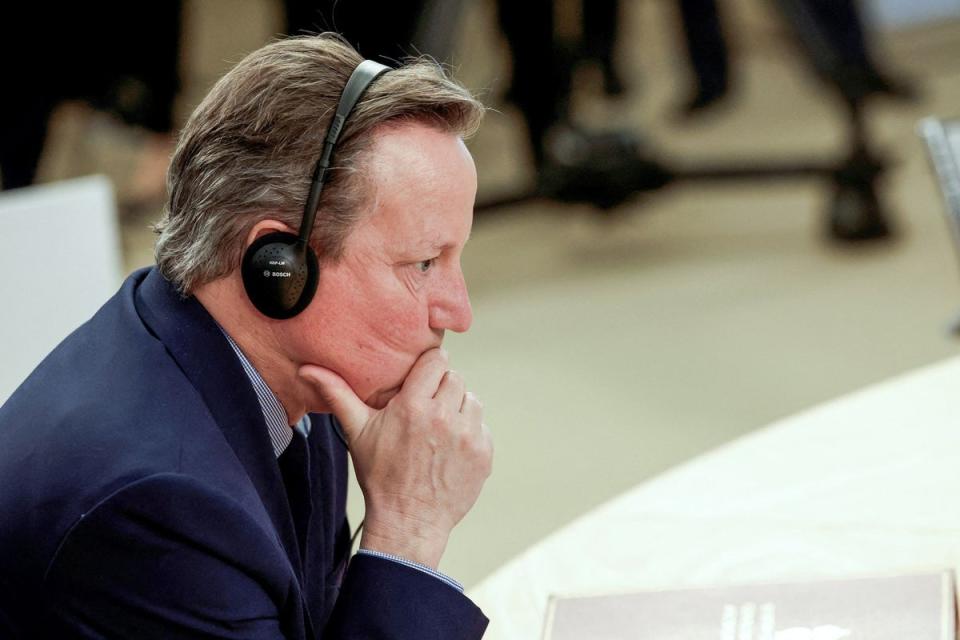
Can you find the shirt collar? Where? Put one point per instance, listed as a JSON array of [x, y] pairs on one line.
[[281, 434]]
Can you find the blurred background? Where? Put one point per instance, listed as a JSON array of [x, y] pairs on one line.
[[694, 218]]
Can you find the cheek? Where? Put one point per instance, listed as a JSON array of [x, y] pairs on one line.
[[385, 343], [388, 340], [396, 328], [371, 335]]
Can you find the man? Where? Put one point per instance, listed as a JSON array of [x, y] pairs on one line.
[[153, 484]]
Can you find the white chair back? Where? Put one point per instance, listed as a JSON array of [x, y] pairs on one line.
[[59, 262]]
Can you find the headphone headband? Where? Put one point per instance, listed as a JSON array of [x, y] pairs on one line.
[[361, 78]]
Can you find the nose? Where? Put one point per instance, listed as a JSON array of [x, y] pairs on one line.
[[450, 308]]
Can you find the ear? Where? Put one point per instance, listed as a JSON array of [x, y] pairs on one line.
[[264, 227]]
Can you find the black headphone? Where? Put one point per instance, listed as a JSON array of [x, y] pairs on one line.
[[280, 271]]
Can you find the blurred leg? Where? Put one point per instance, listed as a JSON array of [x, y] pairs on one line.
[[540, 84], [600, 18], [843, 26], [707, 51], [834, 37]]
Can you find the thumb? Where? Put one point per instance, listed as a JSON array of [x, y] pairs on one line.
[[352, 412]]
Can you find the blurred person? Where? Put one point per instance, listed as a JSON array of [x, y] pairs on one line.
[[833, 30], [177, 466], [542, 65], [573, 163]]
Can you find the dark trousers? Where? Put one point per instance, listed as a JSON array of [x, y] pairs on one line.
[[706, 45]]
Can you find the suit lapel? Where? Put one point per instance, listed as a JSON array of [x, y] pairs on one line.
[[203, 354]]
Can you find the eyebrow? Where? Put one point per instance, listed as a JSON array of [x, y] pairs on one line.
[[438, 246], [435, 245]]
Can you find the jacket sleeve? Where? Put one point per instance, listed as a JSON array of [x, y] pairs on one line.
[[384, 599], [168, 557]]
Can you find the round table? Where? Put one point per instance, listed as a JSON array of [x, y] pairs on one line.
[[865, 485]]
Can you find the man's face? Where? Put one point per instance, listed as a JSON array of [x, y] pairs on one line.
[[399, 285]]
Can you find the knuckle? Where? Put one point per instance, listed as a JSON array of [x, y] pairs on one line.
[[487, 435], [419, 409], [440, 418], [408, 409], [479, 446], [473, 401], [415, 414]]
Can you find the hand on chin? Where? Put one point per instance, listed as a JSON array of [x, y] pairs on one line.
[[379, 399], [387, 389], [377, 390]]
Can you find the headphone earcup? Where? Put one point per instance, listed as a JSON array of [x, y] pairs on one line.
[[279, 275]]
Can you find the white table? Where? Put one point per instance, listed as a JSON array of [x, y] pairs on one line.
[[865, 485]]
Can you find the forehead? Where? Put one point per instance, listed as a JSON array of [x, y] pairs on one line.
[[423, 183]]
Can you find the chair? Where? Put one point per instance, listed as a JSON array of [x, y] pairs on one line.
[[942, 138], [59, 261]]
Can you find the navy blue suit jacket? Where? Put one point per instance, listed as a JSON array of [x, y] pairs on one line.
[[140, 497]]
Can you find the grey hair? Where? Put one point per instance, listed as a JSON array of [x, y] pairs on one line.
[[248, 150]]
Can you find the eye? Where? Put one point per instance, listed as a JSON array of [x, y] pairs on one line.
[[424, 265]]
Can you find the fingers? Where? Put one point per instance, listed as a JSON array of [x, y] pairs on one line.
[[451, 391], [471, 408], [472, 411], [487, 439], [425, 376], [350, 410]]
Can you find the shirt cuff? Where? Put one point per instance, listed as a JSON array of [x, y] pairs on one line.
[[413, 565]]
